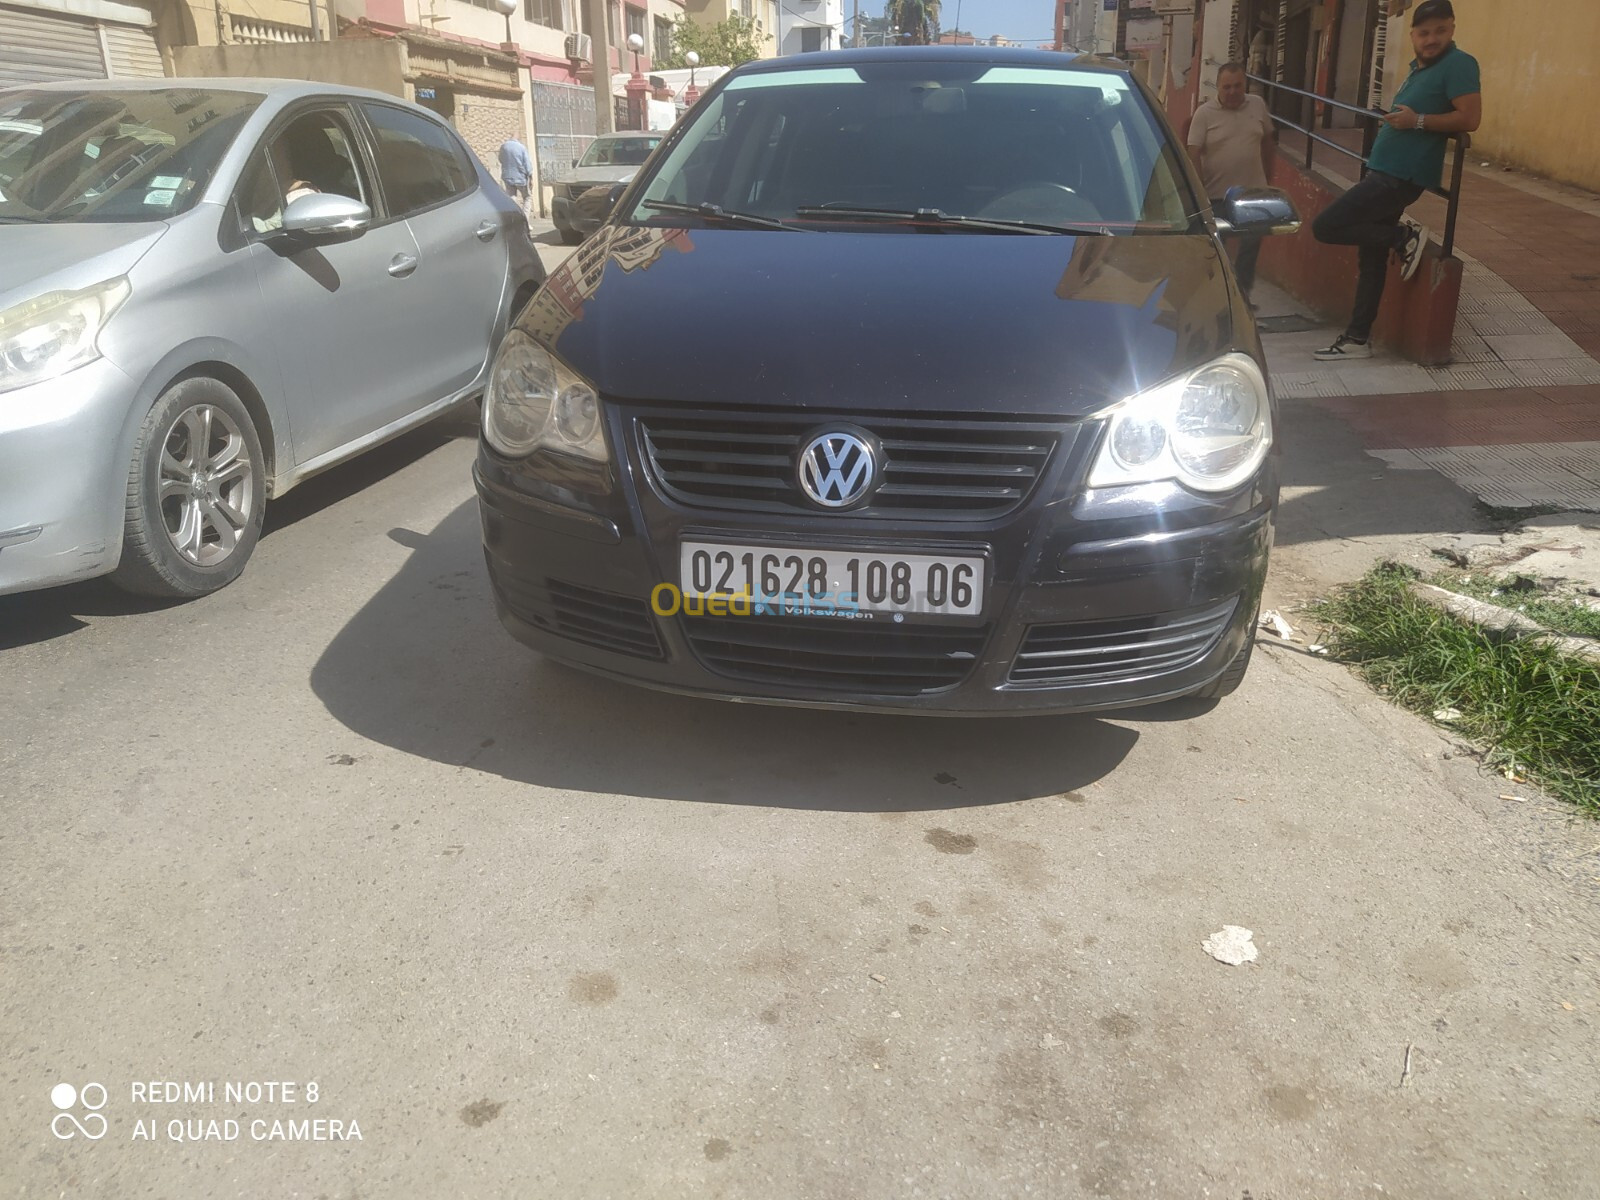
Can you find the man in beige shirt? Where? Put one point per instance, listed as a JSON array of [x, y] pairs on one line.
[[1231, 141]]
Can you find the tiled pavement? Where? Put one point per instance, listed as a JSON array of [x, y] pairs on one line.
[[1516, 418]]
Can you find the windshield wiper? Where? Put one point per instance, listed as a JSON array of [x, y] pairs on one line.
[[715, 212], [938, 218]]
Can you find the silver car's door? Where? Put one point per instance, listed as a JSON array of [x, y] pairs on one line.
[[340, 313], [428, 176]]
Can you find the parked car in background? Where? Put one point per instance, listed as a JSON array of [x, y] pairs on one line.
[[922, 383], [581, 203], [212, 290]]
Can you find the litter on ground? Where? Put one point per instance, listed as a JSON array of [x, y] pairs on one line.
[[1232, 945]]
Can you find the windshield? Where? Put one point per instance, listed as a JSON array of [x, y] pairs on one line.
[[112, 156], [1060, 147], [618, 152]]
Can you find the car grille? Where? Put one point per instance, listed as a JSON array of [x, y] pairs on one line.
[[581, 614], [864, 657], [1118, 650], [961, 470]]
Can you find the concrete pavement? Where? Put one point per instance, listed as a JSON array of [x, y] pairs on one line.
[[1515, 419]]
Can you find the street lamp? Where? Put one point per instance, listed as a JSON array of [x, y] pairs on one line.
[[505, 8], [637, 86], [692, 93]]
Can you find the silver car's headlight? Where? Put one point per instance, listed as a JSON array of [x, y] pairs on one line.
[[53, 333], [1209, 429], [534, 401]]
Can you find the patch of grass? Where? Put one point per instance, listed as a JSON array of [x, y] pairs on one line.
[[1523, 594], [1533, 708]]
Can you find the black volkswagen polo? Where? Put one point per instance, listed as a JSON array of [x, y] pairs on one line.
[[910, 380]]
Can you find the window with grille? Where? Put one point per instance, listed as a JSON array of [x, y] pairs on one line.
[[543, 12], [636, 24], [663, 49]]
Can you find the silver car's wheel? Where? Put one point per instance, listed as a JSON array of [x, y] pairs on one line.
[[207, 484], [196, 488]]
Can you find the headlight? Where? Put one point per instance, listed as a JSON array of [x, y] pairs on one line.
[[51, 334], [535, 402], [1208, 429]]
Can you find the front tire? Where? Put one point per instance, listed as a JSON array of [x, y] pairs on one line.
[[1228, 682], [196, 491]]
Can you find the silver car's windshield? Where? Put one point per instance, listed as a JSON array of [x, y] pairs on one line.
[[112, 156], [971, 144]]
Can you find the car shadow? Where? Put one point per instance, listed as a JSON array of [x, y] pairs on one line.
[[27, 618], [339, 483], [426, 668]]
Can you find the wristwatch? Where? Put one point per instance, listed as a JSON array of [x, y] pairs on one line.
[[1422, 121]]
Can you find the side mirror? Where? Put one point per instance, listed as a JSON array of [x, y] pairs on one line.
[[574, 163], [326, 216], [1259, 211], [614, 195]]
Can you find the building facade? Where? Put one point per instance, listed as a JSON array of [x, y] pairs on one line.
[[809, 25], [765, 13]]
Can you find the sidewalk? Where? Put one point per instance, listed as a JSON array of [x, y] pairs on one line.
[[1515, 420]]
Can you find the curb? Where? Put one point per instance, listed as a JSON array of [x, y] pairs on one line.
[[1492, 616]]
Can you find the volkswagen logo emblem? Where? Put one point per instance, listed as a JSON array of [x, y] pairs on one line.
[[838, 468]]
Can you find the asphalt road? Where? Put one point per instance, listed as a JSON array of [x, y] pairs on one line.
[[536, 934]]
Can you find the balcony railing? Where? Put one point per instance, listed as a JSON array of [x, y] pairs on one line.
[[256, 32]]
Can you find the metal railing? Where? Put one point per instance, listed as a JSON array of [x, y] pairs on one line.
[[1369, 133]]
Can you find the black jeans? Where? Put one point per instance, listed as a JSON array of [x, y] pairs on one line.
[[1368, 216]]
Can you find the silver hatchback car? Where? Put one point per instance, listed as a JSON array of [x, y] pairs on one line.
[[211, 290]]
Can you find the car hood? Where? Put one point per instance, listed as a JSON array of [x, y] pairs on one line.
[[879, 321], [588, 177], [58, 257]]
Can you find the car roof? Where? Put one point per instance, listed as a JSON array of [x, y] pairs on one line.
[[1013, 56], [284, 89]]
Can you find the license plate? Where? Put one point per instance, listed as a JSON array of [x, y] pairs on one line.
[[770, 580]]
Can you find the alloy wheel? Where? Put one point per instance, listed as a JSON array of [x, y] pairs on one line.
[[206, 484]]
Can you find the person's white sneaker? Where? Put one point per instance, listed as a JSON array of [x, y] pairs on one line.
[[1414, 237], [1344, 347]]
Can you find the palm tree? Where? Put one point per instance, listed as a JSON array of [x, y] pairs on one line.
[[916, 21]]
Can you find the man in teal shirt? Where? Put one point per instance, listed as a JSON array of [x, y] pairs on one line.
[[1440, 97]]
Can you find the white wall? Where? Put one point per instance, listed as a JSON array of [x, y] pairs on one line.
[[795, 15]]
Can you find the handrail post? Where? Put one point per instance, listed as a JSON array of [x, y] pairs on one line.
[[1455, 195], [1308, 115]]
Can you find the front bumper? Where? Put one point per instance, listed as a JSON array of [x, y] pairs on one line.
[[1095, 602], [63, 477]]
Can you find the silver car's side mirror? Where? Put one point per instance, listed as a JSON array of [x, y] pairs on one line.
[[1259, 211], [323, 215]]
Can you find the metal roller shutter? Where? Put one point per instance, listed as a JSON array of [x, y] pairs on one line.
[[133, 52], [42, 48]]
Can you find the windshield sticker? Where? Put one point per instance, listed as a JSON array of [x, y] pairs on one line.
[[160, 197], [795, 79], [173, 182]]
